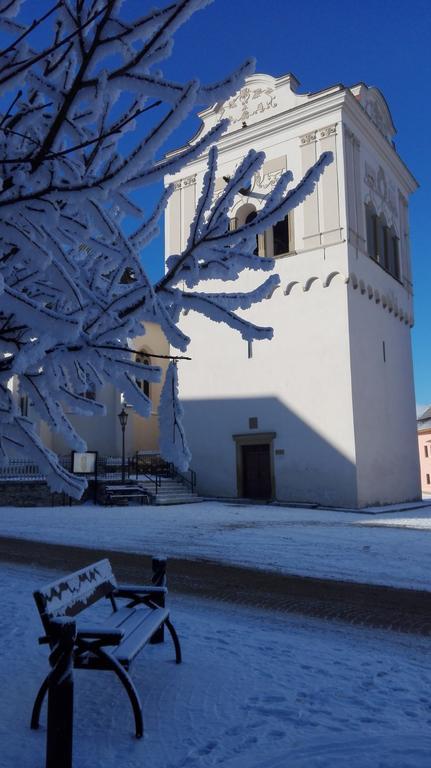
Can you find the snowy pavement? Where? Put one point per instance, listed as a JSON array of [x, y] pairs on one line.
[[391, 548], [256, 690]]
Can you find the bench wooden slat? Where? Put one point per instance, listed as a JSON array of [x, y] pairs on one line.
[[140, 634]]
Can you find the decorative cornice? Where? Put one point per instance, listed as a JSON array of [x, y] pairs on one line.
[[387, 302]]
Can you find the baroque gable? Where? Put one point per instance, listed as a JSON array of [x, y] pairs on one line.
[[262, 96]]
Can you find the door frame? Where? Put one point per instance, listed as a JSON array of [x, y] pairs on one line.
[[257, 438]]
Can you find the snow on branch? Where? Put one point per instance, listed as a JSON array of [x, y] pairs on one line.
[[73, 289]]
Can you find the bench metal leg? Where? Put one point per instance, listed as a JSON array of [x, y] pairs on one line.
[[131, 691], [170, 627], [35, 715]]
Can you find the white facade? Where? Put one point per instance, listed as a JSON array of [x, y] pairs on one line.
[[331, 396]]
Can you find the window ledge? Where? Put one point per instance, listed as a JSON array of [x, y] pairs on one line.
[[391, 274]]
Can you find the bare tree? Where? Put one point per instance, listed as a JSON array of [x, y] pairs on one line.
[[68, 177]]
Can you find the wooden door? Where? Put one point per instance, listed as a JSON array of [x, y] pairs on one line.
[[256, 471]]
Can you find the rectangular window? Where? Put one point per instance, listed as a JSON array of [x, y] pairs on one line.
[[281, 237], [428, 480], [389, 252], [371, 220], [426, 451], [382, 243], [395, 248]]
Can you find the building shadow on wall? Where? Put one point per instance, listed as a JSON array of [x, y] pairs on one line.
[[302, 464]]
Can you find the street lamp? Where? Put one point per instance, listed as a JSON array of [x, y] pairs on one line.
[[123, 416]]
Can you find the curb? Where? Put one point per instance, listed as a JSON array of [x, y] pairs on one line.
[[405, 610]]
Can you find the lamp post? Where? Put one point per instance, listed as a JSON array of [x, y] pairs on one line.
[[123, 416]]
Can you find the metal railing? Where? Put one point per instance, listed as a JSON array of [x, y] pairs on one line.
[[151, 467], [21, 469], [189, 479]]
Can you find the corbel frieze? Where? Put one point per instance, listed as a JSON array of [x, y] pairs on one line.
[[329, 130], [308, 138], [188, 181]]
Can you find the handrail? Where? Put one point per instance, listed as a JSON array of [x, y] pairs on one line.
[[174, 472], [153, 478]]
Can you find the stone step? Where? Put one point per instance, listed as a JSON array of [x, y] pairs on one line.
[[160, 501]]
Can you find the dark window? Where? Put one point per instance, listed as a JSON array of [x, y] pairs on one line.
[[371, 220], [250, 218], [428, 479], [426, 450], [90, 390], [23, 405], [280, 233], [143, 383], [382, 242]]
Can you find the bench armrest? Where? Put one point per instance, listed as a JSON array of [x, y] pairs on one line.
[[107, 636]]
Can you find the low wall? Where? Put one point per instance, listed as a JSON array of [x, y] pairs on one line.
[[36, 493]]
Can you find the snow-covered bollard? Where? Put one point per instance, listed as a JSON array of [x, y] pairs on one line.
[[59, 740], [159, 579]]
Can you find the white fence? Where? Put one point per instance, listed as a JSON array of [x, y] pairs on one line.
[[108, 467], [21, 469]]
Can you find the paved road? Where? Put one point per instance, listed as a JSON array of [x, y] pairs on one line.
[[405, 610]]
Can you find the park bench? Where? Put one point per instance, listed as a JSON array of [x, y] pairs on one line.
[[111, 645], [115, 493]]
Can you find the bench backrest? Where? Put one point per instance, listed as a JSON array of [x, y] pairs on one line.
[[72, 594]]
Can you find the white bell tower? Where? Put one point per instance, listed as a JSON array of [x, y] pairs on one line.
[[324, 412]]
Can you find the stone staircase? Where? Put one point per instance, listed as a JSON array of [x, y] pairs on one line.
[[170, 491]]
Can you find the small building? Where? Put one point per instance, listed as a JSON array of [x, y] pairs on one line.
[[325, 412], [424, 445], [103, 433]]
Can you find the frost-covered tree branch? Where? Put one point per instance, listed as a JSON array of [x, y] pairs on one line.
[[85, 123]]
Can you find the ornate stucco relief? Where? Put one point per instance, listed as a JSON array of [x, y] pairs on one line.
[[265, 179], [329, 130], [383, 193], [262, 183], [308, 138], [249, 102], [375, 113]]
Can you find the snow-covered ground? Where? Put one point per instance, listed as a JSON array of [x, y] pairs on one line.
[[256, 690], [389, 548]]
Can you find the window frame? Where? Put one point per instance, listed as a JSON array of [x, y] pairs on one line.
[[382, 242]]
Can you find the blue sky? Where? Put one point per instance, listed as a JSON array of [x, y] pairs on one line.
[[379, 42]]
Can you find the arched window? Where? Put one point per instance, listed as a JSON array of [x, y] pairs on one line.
[[252, 215], [142, 357], [382, 242], [244, 215]]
